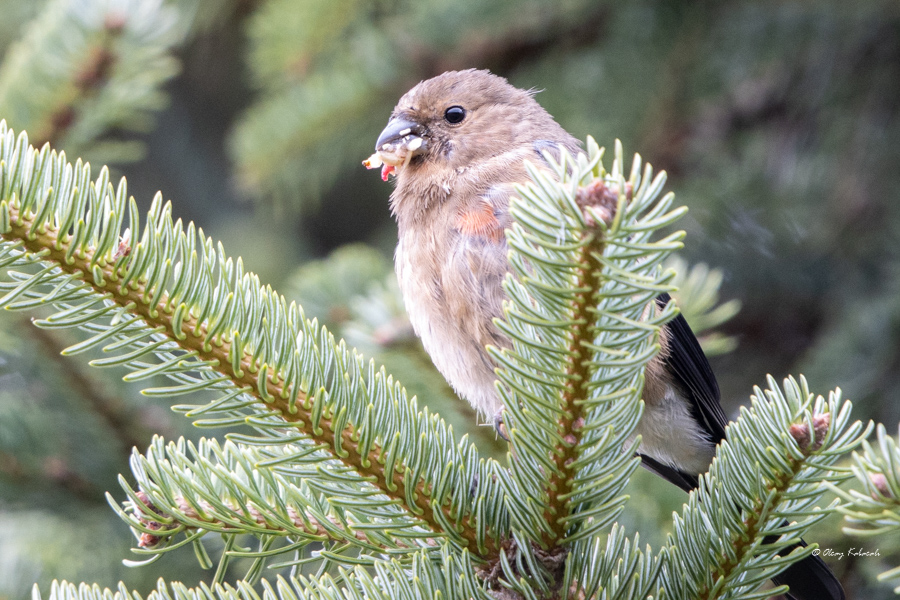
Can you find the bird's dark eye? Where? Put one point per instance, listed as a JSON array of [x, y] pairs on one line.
[[455, 114]]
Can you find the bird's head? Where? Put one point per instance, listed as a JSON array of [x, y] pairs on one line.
[[459, 118]]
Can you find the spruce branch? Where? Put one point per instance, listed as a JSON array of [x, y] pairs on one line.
[[874, 508], [614, 567], [175, 296], [582, 330], [731, 535], [424, 577], [234, 488], [583, 323]]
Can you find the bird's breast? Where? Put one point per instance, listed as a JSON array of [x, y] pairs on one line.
[[452, 288]]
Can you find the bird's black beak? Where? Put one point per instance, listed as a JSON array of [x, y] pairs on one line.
[[397, 129], [400, 141]]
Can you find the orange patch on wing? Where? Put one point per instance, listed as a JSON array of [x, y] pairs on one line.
[[480, 221]]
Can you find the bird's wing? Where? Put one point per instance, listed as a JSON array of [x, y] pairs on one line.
[[691, 372]]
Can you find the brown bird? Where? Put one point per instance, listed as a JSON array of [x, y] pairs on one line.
[[457, 145]]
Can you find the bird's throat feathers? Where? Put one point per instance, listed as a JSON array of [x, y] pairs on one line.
[[424, 186]]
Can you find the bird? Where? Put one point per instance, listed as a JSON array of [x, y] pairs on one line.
[[456, 145]]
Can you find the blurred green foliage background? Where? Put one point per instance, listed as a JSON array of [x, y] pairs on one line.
[[778, 123]]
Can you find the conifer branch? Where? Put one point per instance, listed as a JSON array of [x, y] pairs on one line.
[[737, 532], [578, 354], [754, 517], [588, 282], [92, 75], [195, 509], [247, 375], [423, 577], [90, 262], [873, 509]]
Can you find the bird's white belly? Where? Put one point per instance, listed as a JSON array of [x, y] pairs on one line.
[[670, 435]]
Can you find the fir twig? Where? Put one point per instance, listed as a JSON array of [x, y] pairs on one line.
[[108, 271]]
